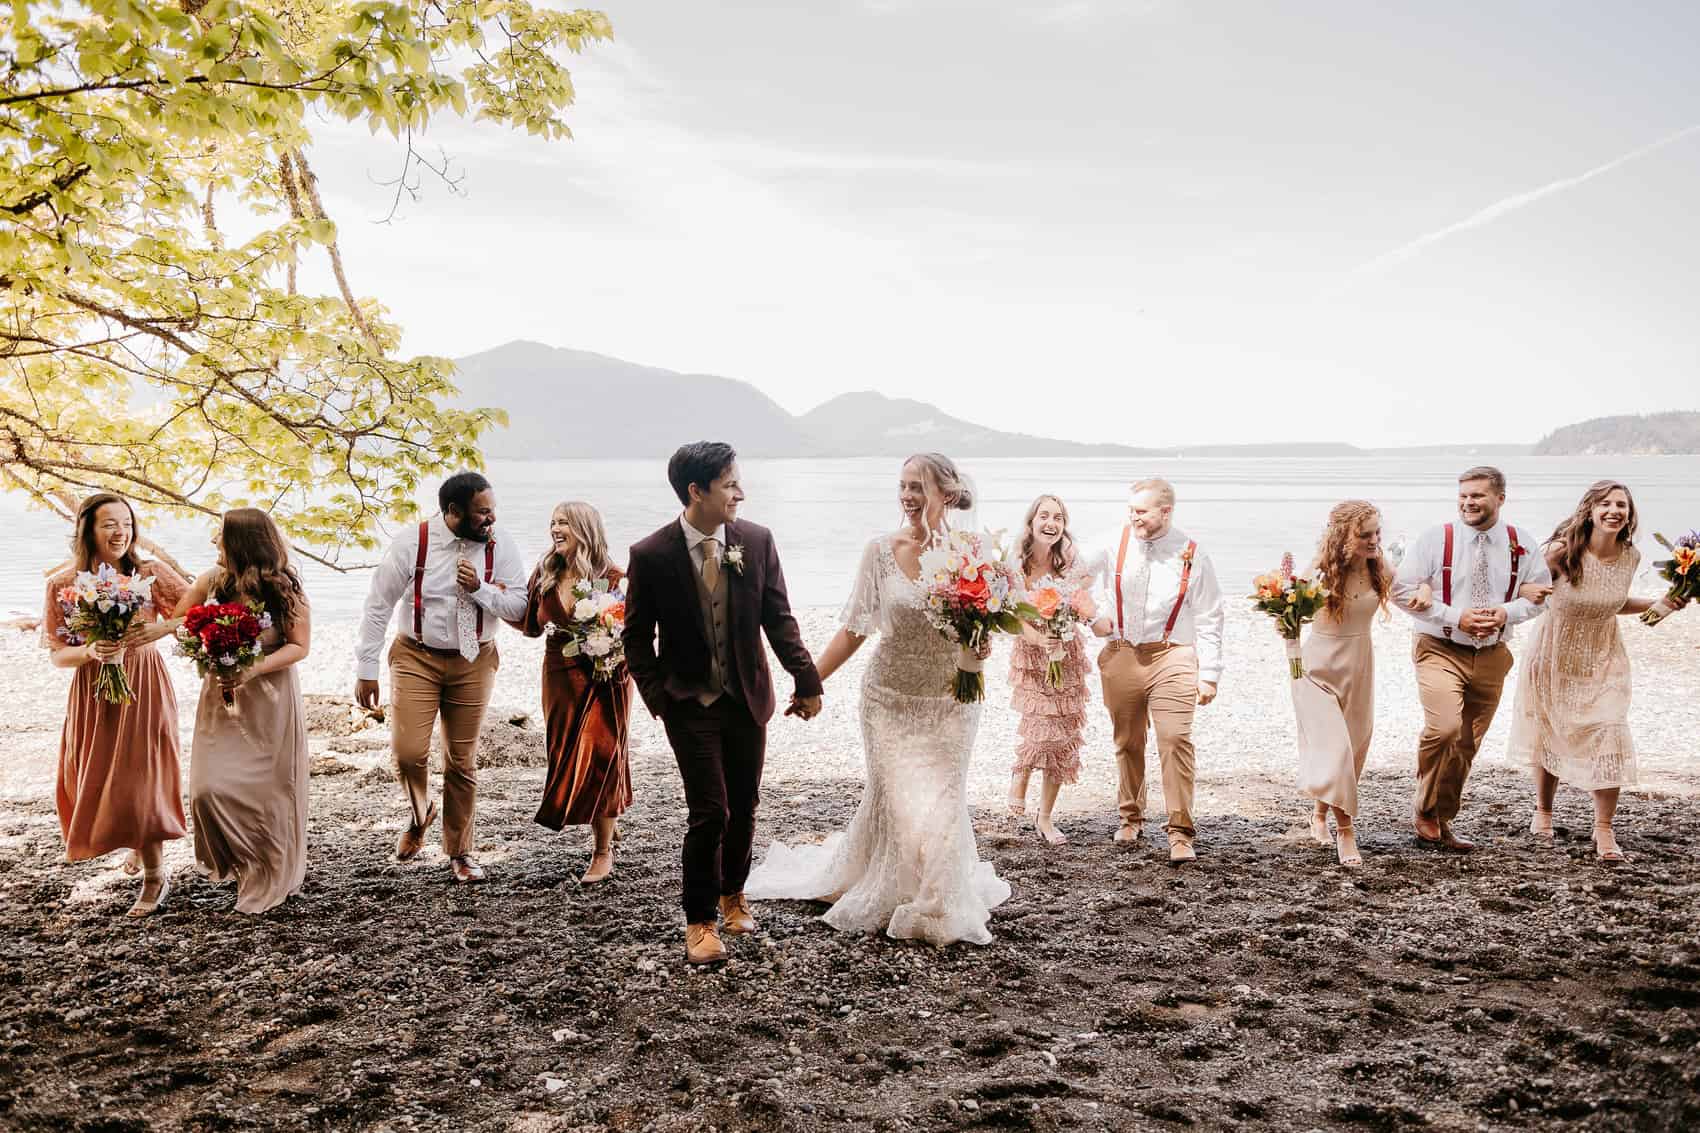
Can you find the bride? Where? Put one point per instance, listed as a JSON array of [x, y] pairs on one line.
[[907, 863]]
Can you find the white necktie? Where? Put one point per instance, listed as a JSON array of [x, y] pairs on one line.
[[466, 623]]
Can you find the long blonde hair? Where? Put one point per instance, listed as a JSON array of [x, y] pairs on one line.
[[1334, 555], [589, 559]]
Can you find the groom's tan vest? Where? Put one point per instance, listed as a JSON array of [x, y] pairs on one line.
[[717, 632]]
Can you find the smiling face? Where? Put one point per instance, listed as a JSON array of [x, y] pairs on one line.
[[561, 533], [113, 530], [1148, 514], [1612, 513], [718, 503], [1366, 542], [1050, 520], [478, 521], [1479, 503], [921, 500]]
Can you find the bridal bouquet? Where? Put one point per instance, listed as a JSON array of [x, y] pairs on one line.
[[1291, 600], [1681, 570], [1060, 608], [223, 638], [970, 596], [594, 625], [99, 606]]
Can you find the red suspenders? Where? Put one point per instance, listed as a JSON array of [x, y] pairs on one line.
[[1446, 569], [419, 581], [1180, 599]]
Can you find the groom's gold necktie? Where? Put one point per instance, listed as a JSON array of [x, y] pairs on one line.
[[711, 563]]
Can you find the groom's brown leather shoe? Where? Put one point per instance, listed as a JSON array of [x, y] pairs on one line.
[[412, 839], [702, 944], [1180, 848], [735, 914], [1128, 832]]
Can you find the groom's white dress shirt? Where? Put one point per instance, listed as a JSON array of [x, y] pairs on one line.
[[502, 598], [1151, 582], [1423, 563]]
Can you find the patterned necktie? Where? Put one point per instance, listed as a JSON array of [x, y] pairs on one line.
[[1140, 590], [711, 563], [466, 623], [1481, 592]]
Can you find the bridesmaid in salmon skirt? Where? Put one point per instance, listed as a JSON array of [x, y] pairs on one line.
[[119, 782], [589, 780], [248, 771], [1334, 701]]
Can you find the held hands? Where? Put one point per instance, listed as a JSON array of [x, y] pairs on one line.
[[803, 707], [1206, 692], [1481, 622], [467, 575]]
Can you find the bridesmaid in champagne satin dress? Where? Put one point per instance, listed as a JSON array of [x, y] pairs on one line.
[[1334, 702]]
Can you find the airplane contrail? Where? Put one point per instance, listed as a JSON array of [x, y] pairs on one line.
[[1512, 204]]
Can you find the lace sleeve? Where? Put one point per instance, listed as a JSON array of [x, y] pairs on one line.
[[861, 614], [53, 616], [168, 588]]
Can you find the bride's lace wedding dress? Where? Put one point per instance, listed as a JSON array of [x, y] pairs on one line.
[[907, 862]]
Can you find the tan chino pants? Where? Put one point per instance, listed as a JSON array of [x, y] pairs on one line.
[[1153, 685], [424, 686], [1459, 686]]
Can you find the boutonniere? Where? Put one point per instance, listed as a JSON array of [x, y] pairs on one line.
[[735, 558], [1187, 552]]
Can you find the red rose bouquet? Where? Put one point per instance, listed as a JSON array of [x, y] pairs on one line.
[[223, 638]]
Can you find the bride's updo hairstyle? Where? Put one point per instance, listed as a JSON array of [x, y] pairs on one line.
[[940, 472]]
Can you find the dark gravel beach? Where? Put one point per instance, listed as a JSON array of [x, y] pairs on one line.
[[1263, 988]]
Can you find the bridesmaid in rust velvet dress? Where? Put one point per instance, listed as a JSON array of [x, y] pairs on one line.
[[589, 781], [119, 780]]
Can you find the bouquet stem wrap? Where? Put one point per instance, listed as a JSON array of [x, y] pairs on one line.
[[970, 686], [1054, 669], [1295, 657], [1659, 611], [112, 683]]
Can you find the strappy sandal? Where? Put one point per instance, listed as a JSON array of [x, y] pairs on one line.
[[1346, 846], [1541, 824], [132, 863], [1319, 829], [1605, 845], [144, 907]]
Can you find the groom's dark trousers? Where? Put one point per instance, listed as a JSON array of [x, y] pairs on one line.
[[697, 657]]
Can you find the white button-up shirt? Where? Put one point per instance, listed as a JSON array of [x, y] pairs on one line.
[[1147, 602], [1423, 563], [694, 540], [503, 597]]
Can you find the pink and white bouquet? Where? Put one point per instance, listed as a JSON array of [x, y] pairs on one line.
[[1292, 600], [223, 638], [99, 606], [1681, 570], [1061, 608], [594, 625], [971, 594]]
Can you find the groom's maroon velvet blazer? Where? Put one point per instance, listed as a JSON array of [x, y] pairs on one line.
[[665, 647]]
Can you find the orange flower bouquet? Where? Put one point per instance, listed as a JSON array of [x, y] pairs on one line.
[[1292, 600], [1061, 609], [1682, 571]]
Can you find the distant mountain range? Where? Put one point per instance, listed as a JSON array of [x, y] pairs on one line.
[[1653, 434], [538, 384]]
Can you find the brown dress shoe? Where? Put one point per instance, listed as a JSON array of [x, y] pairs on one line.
[[702, 944], [1180, 847], [412, 839], [1450, 841], [465, 870], [735, 914], [1128, 832]]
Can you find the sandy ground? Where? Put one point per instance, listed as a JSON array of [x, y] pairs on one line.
[[1524, 986]]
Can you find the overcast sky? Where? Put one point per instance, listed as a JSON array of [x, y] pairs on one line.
[[1146, 222]]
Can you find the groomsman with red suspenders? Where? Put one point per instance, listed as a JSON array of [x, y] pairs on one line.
[[458, 580], [1474, 570], [1162, 611]]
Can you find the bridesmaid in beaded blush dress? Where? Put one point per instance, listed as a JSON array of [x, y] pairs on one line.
[[1052, 719], [1334, 702], [1571, 715]]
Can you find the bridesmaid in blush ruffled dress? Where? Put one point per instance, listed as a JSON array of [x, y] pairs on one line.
[[1052, 719]]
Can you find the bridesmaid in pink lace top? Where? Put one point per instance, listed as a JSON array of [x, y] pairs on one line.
[[1052, 719]]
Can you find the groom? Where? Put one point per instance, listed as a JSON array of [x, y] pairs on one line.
[[709, 586]]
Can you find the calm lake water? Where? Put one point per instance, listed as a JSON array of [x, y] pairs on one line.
[[1244, 512]]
